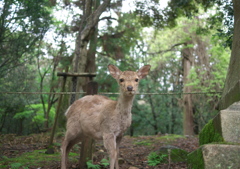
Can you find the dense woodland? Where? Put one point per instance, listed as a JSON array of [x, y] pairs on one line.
[[188, 44]]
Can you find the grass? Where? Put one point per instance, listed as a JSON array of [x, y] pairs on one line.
[[144, 143], [36, 158], [171, 137]]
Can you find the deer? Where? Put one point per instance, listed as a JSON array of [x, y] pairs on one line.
[[100, 118]]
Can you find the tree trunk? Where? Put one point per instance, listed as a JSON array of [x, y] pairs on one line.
[[188, 124], [155, 122], [89, 20], [231, 90]]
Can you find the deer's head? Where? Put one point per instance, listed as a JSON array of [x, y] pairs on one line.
[[128, 80]]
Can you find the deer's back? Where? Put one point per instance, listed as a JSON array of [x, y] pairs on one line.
[[89, 114], [90, 104]]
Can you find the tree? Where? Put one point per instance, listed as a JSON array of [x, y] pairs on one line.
[[198, 70], [162, 18], [88, 22], [20, 79], [22, 24]]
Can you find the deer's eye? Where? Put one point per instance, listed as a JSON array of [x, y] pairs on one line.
[[136, 80], [121, 80]]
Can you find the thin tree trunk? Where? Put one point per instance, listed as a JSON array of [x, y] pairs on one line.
[[154, 123], [188, 124]]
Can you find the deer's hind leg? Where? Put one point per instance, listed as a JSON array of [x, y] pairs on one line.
[[69, 141]]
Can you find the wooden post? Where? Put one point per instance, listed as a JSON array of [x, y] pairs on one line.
[[92, 89], [50, 149], [87, 143]]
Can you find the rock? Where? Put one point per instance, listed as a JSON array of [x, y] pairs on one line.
[[225, 127], [215, 156]]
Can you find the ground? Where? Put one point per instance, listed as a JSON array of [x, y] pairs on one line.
[[29, 151]]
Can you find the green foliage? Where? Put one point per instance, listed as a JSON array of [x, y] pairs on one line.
[[103, 162], [208, 72], [155, 158], [22, 24], [168, 154], [115, 40], [16, 165], [91, 165], [151, 13], [34, 114]]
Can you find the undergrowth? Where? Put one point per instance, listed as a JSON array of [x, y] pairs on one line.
[[104, 163], [155, 158]]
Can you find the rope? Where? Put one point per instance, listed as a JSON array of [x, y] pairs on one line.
[[107, 93]]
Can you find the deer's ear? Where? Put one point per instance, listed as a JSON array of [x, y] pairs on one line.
[[143, 71], [114, 71]]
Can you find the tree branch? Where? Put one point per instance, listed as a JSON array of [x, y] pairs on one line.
[[167, 50], [93, 19], [108, 18]]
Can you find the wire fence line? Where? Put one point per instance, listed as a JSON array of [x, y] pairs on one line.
[[109, 93]]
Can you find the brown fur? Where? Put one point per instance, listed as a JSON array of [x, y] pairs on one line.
[[101, 118]]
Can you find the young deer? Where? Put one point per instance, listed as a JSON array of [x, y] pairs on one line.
[[101, 118]]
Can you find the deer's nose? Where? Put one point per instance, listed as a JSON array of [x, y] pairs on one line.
[[129, 88]]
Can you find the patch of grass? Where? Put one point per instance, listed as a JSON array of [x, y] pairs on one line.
[[36, 158], [144, 143], [17, 165], [171, 137]]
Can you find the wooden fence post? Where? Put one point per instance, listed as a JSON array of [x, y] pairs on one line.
[[50, 149], [87, 143]]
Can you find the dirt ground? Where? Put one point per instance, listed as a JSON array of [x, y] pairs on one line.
[[133, 150]]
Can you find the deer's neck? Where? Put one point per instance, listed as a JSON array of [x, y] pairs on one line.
[[124, 104]]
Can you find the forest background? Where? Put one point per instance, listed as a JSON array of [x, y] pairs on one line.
[[188, 44]]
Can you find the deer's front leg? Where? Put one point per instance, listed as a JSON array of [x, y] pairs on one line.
[[118, 140], [109, 141]]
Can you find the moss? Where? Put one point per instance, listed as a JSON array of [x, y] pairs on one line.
[[169, 138], [195, 159], [178, 155], [210, 134], [34, 159]]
